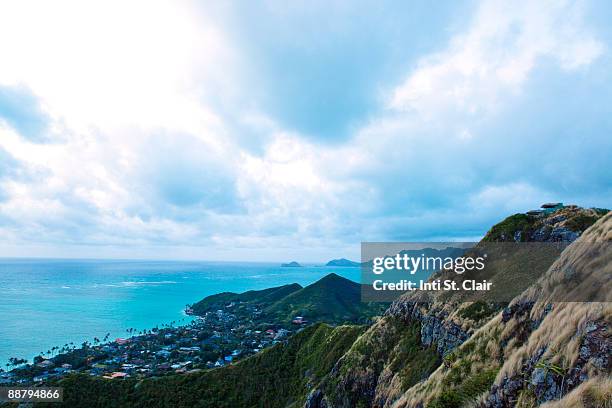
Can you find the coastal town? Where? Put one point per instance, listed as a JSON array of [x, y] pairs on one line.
[[217, 331], [214, 339]]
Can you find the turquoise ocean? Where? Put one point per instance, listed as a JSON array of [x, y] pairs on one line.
[[46, 303]]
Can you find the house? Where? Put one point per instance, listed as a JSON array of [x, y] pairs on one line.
[[121, 341], [228, 359], [117, 374], [298, 320], [281, 333], [535, 212], [551, 207], [163, 353], [45, 364], [189, 349], [128, 366]]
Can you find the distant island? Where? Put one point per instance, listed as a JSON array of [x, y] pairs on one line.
[[342, 262], [291, 265]]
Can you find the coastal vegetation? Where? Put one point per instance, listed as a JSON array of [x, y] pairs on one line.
[[281, 376], [332, 299], [252, 297]]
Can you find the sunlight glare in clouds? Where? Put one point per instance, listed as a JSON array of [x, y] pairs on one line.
[[112, 63], [154, 138]]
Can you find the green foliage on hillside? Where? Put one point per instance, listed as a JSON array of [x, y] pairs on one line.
[[276, 377], [391, 344], [466, 391], [581, 222], [478, 310], [410, 360], [265, 296], [506, 229], [331, 299]]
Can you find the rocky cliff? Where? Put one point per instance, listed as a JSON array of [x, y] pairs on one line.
[[449, 353]]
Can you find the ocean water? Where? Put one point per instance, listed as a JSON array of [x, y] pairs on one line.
[[46, 303]]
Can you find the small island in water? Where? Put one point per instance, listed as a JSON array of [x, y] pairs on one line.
[[342, 262], [292, 264]]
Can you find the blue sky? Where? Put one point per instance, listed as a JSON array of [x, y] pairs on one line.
[[276, 131]]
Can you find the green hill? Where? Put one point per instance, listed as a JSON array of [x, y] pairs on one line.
[[262, 297], [331, 299]]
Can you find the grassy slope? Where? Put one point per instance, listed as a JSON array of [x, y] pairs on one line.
[[500, 349], [365, 379], [388, 355], [277, 377]]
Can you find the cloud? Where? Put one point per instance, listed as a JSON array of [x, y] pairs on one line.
[[7, 168], [20, 109], [495, 56], [175, 130]]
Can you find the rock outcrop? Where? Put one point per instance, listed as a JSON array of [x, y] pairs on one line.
[[491, 357]]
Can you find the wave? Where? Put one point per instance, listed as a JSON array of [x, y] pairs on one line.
[[143, 283]]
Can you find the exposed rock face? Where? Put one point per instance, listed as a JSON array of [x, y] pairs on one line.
[[436, 330], [547, 381], [571, 351], [541, 350], [563, 225], [316, 399]]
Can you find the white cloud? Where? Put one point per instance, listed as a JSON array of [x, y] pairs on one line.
[[118, 68], [494, 57], [142, 155]]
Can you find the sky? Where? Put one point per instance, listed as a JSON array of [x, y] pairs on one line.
[[275, 131]]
